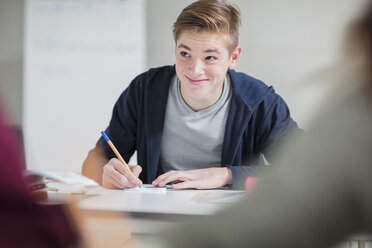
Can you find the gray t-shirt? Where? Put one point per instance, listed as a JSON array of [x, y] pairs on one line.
[[193, 140]]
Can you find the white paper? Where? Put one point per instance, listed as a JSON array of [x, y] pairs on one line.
[[67, 177], [148, 188]]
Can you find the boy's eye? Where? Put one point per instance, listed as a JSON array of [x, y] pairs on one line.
[[210, 58], [184, 54]]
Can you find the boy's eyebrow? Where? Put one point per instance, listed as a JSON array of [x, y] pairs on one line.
[[206, 51], [212, 51], [184, 46]]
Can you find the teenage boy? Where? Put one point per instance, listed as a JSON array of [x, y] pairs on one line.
[[198, 124]]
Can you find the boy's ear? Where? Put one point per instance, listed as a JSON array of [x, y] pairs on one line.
[[234, 57]]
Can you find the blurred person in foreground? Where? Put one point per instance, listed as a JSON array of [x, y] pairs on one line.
[[321, 190], [29, 218], [197, 124], [24, 222]]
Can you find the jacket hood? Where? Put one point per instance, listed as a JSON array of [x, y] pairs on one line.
[[251, 91]]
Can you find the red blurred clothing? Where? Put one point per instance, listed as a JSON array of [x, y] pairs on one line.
[[23, 222]]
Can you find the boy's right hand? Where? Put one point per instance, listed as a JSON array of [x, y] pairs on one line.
[[116, 175]]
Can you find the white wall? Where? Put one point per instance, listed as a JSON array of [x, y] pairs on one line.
[[11, 21]]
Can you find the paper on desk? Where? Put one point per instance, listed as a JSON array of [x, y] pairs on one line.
[[68, 177], [148, 188]]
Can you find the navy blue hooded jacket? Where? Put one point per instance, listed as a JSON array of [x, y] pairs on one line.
[[258, 119]]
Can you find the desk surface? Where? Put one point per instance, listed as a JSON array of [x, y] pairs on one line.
[[176, 202], [149, 211]]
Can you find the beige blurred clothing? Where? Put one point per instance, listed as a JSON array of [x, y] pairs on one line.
[[318, 193]]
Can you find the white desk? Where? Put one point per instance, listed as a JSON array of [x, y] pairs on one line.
[[142, 206], [179, 202], [152, 211]]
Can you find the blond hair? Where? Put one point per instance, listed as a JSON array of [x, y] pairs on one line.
[[211, 16]]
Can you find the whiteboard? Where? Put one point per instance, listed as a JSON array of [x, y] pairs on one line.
[[79, 55]]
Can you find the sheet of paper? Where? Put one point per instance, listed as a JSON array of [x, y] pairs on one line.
[[148, 188], [68, 177]]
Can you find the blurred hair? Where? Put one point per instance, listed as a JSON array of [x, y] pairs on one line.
[[359, 45], [212, 16]]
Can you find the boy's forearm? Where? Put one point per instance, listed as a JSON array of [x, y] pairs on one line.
[[93, 164]]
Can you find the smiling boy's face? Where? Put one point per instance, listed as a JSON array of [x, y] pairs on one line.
[[202, 61]]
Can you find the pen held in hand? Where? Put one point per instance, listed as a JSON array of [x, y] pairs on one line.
[[114, 149]]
